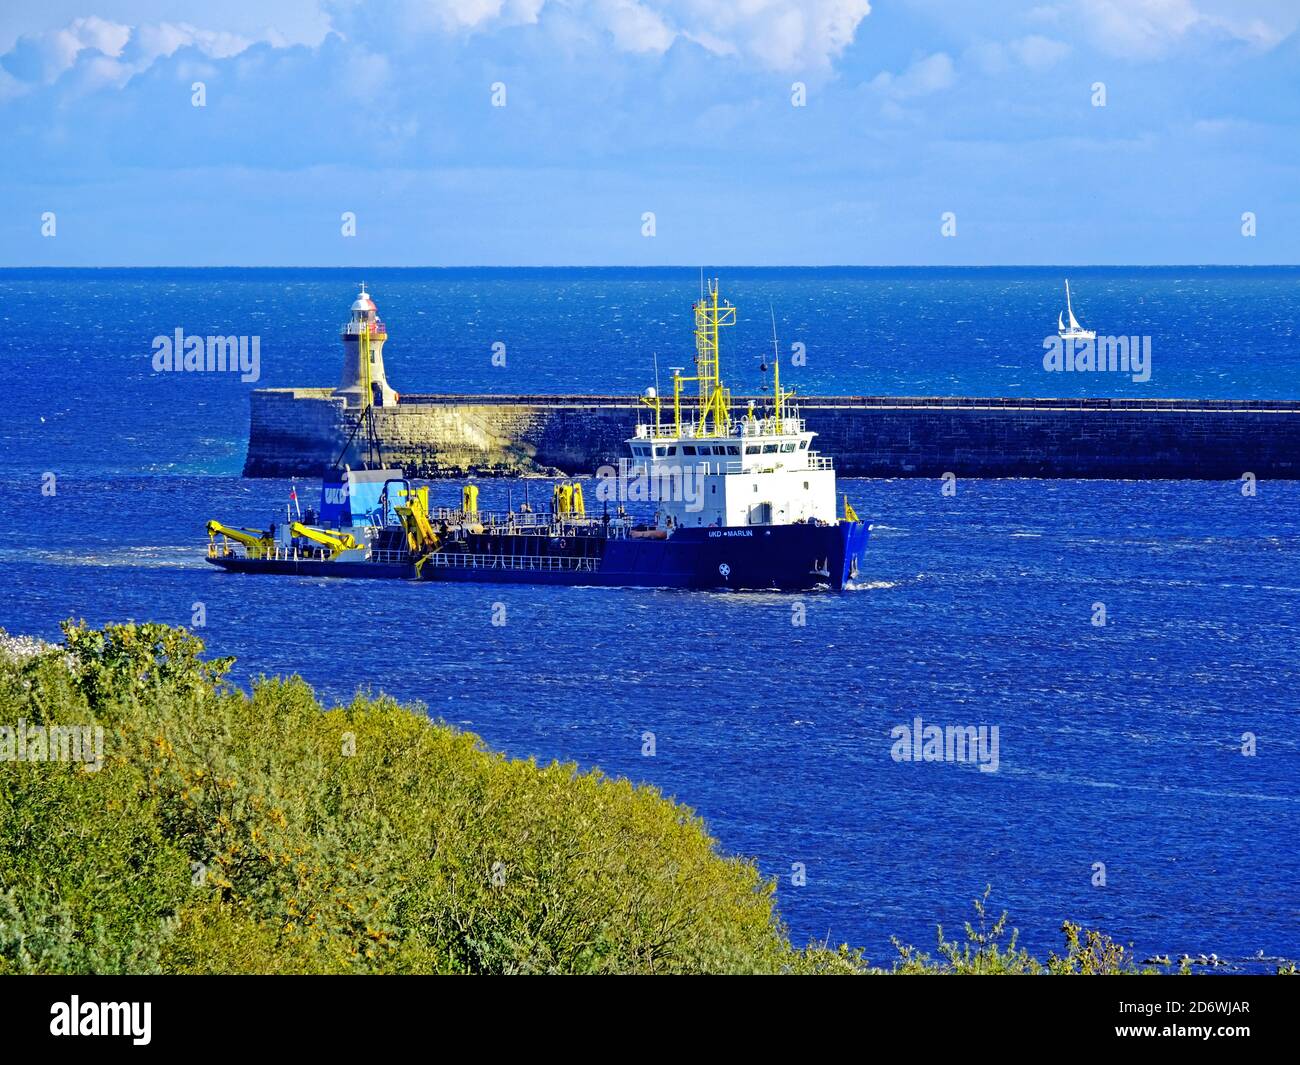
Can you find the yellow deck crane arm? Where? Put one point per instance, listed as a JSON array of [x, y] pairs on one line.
[[254, 540], [337, 542], [414, 516]]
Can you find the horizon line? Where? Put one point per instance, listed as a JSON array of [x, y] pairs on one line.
[[693, 266]]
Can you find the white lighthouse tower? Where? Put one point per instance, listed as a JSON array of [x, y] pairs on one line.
[[363, 356]]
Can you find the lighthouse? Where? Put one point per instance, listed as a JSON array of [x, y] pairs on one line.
[[363, 356]]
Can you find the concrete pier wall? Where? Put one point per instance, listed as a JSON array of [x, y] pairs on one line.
[[297, 431]]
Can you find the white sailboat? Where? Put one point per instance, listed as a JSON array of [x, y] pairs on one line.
[[1075, 330]]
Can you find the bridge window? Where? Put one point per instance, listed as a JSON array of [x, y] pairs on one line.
[[752, 449], [687, 449], [732, 449], [769, 449], [803, 444], [787, 447]]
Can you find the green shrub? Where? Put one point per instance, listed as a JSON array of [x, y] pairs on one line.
[[233, 832], [983, 953]]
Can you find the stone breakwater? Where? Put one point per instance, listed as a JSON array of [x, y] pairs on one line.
[[295, 431]]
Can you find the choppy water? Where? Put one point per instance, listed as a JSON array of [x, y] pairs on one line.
[[1118, 744], [76, 344]]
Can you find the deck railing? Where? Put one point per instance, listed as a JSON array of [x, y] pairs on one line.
[[530, 563], [675, 466], [760, 425], [281, 553], [535, 523]]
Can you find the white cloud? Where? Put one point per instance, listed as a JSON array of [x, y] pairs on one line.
[[635, 27], [785, 35], [1140, 29], [110, 53], [796, 36], [164, 39], [1039, 53], [1035, 52], [44, 56], [932, 74], [459, 15], [296, 21]]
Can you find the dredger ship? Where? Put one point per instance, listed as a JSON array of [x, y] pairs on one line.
[[742, 502]]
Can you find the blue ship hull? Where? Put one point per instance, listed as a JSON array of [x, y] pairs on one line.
[[785, 557], [764, 557]]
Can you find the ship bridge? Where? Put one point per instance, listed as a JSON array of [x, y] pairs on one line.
[[707, 469]]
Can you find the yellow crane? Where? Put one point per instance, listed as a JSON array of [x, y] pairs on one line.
[[414, 516], [337, 542], [255, 541]]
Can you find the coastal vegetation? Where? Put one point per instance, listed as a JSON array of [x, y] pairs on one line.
[[210, 830]]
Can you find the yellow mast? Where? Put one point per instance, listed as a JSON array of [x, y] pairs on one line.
[[714, 397], [715, 401], [776, 388], [778, 396]]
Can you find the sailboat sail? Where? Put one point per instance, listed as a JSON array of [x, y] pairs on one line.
[[1074, 331]]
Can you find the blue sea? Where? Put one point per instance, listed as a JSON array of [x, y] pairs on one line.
[[1120, 745]]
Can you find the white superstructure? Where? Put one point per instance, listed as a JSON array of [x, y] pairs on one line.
[[711, 470]]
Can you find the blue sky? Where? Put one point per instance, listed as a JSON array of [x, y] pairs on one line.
[[683, 108]]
